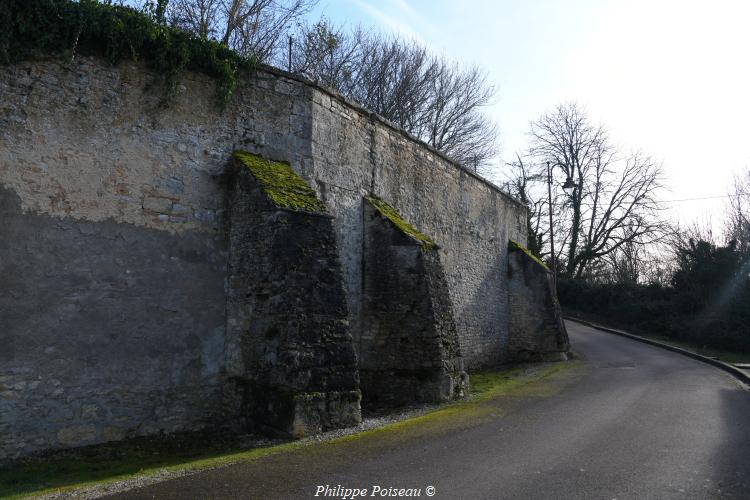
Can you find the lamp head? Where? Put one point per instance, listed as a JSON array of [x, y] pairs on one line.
[[569, 185]]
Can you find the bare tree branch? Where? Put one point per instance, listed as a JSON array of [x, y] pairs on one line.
[[613, 208], [251, 27], [433, 99]]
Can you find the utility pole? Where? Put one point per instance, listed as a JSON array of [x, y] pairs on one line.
[[289, 63], [569, 187], [551, 230]]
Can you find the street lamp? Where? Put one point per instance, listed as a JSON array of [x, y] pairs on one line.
[[568, 187]]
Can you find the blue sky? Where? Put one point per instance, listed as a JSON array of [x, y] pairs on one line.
[[667, 77]]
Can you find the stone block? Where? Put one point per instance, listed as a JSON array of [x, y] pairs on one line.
[[113, 434], [91, 412], [159, 205], [76, 435]]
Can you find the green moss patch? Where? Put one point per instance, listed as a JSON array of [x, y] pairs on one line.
[[76, 468], [392, 215], [514, 245], [281, 184], [41, 28]]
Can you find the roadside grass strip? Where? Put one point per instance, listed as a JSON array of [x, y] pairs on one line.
[[139, 462]]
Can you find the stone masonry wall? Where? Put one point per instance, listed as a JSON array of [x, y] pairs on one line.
[[113, 248], [409, 349], [107, 330], [470, 219], [536, 326], [288, 342], [113, 254]]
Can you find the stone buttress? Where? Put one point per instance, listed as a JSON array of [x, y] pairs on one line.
[[288, 342], [536, 327], [409, 349]]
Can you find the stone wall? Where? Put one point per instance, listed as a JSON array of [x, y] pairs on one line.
[[288, 343], [114, 247], [536, 326], [108, 330], [408, 350], [470, 219]]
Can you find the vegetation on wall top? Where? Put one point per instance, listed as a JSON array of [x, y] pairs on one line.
[[281, 184], [392, 215], [514, 245], [37, 28]]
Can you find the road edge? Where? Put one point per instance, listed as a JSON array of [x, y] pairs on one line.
[[740, 375]]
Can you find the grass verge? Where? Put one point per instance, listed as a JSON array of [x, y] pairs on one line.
[[157, 458]]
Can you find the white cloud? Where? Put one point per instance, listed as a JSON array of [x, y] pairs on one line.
[[400, 22]]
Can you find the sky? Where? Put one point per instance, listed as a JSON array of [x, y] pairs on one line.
[[670, 78]]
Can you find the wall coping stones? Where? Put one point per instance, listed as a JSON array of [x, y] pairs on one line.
[[384, 121]]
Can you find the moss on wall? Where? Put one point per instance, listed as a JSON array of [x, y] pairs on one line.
[[281, 184], [392, 215], [514, 245]]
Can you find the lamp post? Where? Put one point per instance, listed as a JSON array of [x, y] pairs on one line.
[[569, 184]]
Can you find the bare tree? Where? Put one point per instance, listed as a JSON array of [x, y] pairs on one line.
[[523, 182], [438, 101], [251, 27], [455, 124], [738, 223], [614, 203], [395, 80], [329, 55], [627, 263], [200, 17]]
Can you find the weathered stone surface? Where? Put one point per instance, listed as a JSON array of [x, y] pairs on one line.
[[121, 156], [287, 330], [105, 324], [409, 349], [77, 435], [113, 254], [536, 327]]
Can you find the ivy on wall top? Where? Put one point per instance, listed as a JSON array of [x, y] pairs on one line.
[[37, 28]]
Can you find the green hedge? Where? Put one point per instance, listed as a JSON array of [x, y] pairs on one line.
[[39, 28], [660, 310]]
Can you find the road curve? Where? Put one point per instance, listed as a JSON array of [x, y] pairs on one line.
[[639, 422]]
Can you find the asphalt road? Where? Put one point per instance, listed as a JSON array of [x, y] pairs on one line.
[[635, 422]]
